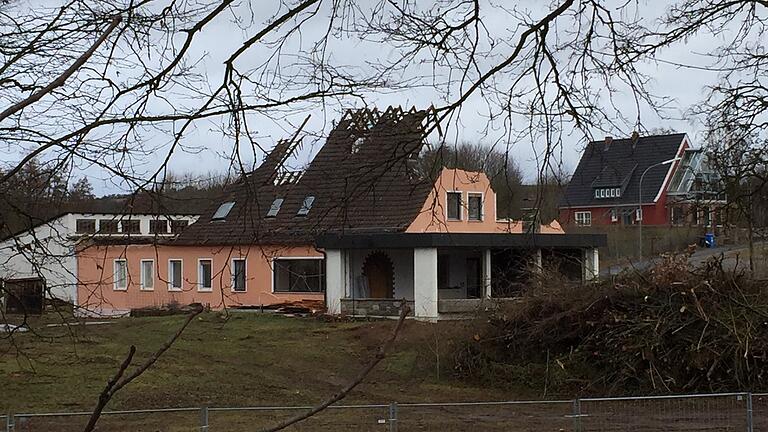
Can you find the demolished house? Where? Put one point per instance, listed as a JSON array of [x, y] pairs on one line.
[[361, 227]]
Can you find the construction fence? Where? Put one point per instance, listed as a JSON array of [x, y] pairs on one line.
[[698, 412]]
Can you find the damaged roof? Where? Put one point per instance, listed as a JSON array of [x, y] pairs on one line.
[[361, 180]]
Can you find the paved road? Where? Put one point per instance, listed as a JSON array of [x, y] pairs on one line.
[[734, 254]]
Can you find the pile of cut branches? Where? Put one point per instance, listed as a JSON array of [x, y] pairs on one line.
[[672, 328]]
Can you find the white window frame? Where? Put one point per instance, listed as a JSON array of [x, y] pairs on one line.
[[597, 193], [115, 287], [141, 273], [482, 205], [232, 274], [618, 192], [272, 279], [200, 287], [170, 275], [588, 215], [461, 205], [639, 214]]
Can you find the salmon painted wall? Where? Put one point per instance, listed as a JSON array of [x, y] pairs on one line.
[[95, 268], [433, 215]]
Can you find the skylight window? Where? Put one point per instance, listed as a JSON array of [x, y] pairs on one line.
[[275, 208], [223, 211], [306, 206]]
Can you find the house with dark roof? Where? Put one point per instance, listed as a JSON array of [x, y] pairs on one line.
[[359, 229], [660, 179]]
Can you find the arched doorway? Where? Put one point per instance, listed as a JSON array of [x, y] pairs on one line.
[[378, 271]]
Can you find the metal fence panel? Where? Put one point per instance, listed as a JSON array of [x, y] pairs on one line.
[[703, 412], [720, 412], [363, 418], [523, 416], [170, 420]]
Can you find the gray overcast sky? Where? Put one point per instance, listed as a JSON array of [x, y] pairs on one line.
[[207, 149]]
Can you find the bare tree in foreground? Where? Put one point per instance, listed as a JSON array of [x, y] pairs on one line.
[[123, 87]]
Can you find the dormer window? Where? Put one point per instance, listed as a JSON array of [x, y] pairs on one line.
[[608, 193], [275, 208], [223, 211], [306, 206]]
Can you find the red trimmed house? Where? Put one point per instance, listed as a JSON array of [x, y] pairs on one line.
[[678, 188]]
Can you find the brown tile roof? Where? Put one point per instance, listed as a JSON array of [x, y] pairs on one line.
[[361, 179]]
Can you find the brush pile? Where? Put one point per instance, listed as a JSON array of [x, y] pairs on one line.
[[670, 329]]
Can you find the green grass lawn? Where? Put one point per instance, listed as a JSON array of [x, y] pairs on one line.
[[247, 359]]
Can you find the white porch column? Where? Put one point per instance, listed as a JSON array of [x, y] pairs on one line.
[[425, 283], [591, 264], [335, 280], [537, 260], [487, 273]]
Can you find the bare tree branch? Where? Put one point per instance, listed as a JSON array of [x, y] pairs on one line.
[[117, 382], [381, 353], [58, 82]]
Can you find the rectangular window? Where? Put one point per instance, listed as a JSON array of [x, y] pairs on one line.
[[131, 226], [85, 226], [597, 193], [238, 275], [204, 275], [147, 275], [107, 226], [158, 226], [614, 215], [475, 204], [677, 216], [306, 206], [121, 275], [584, 218], [298, 275], [177, 226], [454, 205], [174, 275], [275, 208], [223, 211], [618, 192]]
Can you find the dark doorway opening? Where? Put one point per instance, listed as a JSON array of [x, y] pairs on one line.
[[24, 296], [378, 271]]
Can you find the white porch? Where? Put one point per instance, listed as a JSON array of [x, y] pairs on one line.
[[437, 281]]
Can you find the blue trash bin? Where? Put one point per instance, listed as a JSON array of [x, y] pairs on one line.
[[709, 240]]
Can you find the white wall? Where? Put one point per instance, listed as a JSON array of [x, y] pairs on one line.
[[45, 252], [425, 283], [335, 277]]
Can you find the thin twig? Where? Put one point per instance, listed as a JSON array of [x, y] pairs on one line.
[[380, 355], [117, 382]]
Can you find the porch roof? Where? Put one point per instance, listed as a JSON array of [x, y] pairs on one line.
[[483, 240]]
